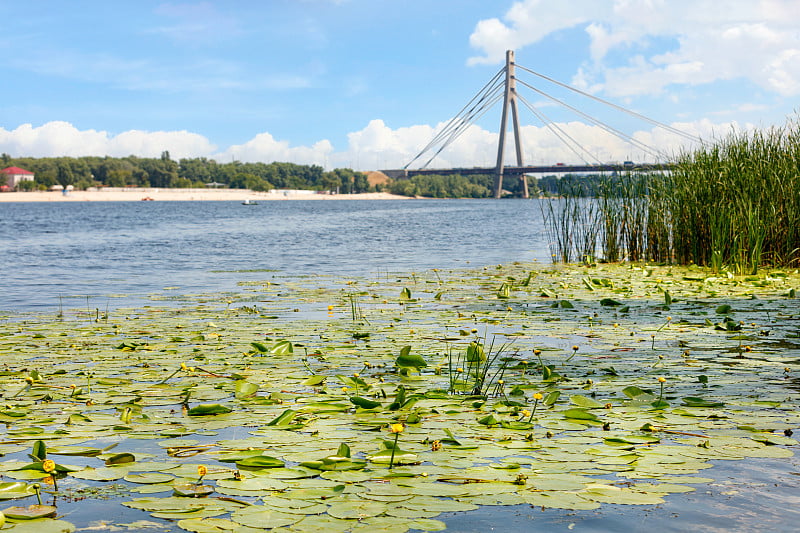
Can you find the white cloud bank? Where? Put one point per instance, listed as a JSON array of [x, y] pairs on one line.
[[754, 39], [376, 146], [58, 138]]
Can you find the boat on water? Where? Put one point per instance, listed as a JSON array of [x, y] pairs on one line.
[[249, 202]]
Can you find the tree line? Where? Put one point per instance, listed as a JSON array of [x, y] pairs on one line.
[[481, 186], [164, 172]]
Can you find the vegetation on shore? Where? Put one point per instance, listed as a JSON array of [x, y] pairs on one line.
[[365, 404], [163, 172], [731, 205]]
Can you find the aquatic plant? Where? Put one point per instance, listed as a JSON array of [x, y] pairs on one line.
[[215, 418], [733, 204]]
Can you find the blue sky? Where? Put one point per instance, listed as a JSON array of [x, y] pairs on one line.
[[366, 83]]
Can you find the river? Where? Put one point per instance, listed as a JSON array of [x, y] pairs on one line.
[[117, 252]]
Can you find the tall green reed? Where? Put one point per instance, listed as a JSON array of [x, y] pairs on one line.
[[733, 204]]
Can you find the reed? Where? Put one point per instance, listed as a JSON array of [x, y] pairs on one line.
[[733, 205]]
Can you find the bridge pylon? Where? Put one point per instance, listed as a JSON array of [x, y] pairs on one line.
[[510, 101]]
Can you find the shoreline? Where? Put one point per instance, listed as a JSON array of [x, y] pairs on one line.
[[185, 195]]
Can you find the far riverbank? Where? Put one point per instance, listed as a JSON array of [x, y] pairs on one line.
[[193, 195]]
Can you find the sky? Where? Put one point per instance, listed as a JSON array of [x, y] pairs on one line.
[[366, 84]]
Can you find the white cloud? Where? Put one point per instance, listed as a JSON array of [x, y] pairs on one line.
[[265, 149], [529, 21], [754, 39], [58, 138], [376, 146]]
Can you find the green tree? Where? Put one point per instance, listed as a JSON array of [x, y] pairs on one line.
[[64, 175]]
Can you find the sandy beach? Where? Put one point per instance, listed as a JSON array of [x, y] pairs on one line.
[[189, 195]]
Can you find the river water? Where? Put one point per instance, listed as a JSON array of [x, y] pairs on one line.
[[116, 254], [106, 250]]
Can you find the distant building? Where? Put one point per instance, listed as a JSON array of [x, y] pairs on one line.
[[14, 175]]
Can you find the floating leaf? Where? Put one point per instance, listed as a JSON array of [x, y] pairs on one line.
[[364, 403], [260, 461], [584, 401], [314, 381], [405, 359], [694, 401], [261, 517], [192, 490], [282, 348], [284, 419], [260, 347], [579, 414], [30, 512], [244, 389], [10, 490], [149, 478], [205, 409]]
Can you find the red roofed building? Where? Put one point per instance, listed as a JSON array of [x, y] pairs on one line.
[[14, 175]]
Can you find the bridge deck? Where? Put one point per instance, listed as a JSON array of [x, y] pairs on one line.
[[530, 169]]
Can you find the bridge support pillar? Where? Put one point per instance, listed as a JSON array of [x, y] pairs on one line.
[[510, 101]]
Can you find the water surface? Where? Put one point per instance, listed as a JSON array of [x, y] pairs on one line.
[[96, 249]]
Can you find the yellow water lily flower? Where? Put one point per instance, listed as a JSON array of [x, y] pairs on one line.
[[397, 428], [202, 470], [538, 396], [49, 466]]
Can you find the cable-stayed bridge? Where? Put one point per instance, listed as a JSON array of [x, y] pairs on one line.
[[503, 86]]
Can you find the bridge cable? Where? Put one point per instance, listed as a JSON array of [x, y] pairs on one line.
[[615, 106], [648, 149], [559, 132], [469, 119], [457, 124], [464, 125], [476, 107]]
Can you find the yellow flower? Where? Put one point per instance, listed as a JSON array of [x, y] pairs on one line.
[[356, 375], [396, 428], [459, 369], [575, 347], [202, 470], [345, 389], [330, 308], [538, 396], [436, 445], [662, 379], [525, 412], [184, 367], [48, 466], [500, 382]]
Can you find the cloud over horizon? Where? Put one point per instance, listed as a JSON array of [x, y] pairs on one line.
[[376, 146]]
